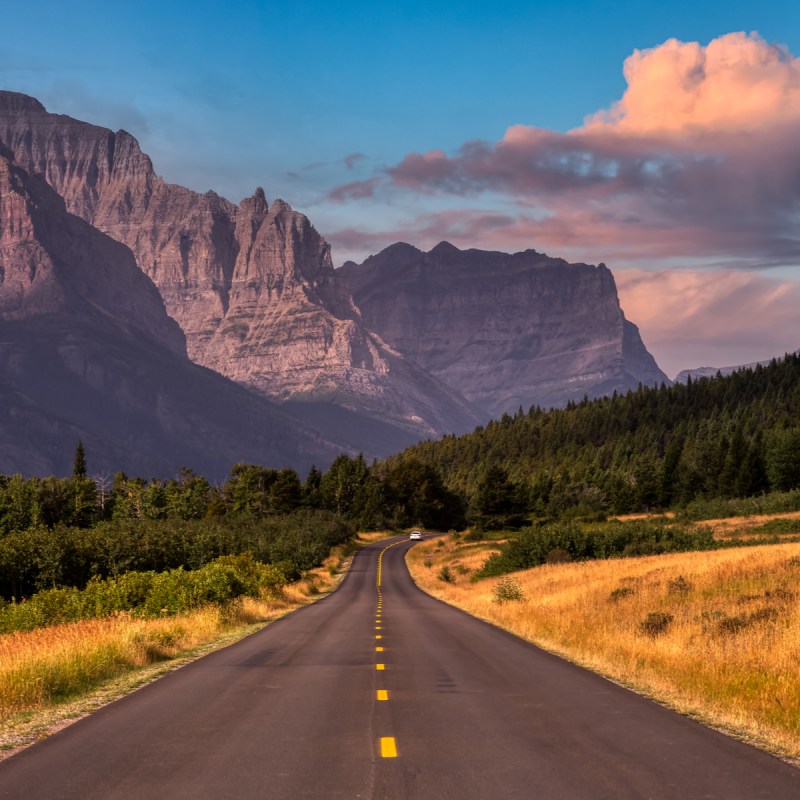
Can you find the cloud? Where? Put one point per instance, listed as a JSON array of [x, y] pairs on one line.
[[699, 157], [357, 190], [722, 318], [353, 159], [737, 82]]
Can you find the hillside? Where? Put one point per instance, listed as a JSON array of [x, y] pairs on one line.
[[730, 436]]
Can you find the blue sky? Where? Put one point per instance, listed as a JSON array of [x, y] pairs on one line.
[[232, 96], [227, 96]]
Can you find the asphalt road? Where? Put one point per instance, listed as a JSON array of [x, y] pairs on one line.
[[297, 711]]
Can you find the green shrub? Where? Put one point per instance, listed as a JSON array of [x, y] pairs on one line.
[[620, 592], [446, 575], [563, 541], [146, 594]]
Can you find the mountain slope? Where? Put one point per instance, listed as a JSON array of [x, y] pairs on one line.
[[504, 330], [88, 351]]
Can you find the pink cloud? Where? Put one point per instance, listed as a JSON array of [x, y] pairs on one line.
[[737, 82], [698, 158], [357, 190]]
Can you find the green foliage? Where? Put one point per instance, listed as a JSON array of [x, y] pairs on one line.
[[79, 463], [508, 589], [713, 438], [719, 507], [496, 502], [655, 624], [40, 558], [778, 526], [446, 574], [535, 545], [415, 493], [145, 594]]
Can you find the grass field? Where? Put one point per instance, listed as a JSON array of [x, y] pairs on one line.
[[58, 673], [714, 634]]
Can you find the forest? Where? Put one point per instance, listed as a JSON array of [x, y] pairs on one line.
[[706, 441], [698, 448]]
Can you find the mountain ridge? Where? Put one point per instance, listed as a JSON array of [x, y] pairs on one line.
[[88, 352], [252, 286], [503, 328]]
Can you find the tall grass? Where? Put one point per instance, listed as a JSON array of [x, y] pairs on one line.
[[43, 667], [712, 633]]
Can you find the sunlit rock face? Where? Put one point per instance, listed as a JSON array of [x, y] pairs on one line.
[[252, 286], [505, 330], [419, 344], [87, 351]]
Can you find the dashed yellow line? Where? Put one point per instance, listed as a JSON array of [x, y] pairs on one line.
[[378, 649], [382, 694], [388, 747], [378, 636], [380, 667]]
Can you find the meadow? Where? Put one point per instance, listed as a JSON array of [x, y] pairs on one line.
[[55, 673], [713, 634]]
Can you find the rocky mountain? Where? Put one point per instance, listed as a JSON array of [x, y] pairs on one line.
[[374, 356], [252, 286], [505, 330], [87, 351]]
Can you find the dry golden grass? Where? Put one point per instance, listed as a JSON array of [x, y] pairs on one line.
[[63, 671], [730, 645]]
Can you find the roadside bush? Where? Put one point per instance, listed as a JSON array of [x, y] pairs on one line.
[[619, 593], [567, 541], [42, 558], [655, 624], [446, 575], [508, 589], [145, 594]]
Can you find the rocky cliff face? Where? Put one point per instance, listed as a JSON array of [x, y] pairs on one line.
[[88, 351], [406, 345], [504, 330], [252, 286]]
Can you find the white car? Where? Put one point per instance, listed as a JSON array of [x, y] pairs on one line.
[[415, 535]]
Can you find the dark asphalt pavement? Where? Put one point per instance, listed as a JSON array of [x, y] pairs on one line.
[[295, 711]]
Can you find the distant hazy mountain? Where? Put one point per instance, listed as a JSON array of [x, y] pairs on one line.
[[504, 330], [710, 372], [88, 352]]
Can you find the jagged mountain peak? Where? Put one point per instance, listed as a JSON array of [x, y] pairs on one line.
[[252, 286]]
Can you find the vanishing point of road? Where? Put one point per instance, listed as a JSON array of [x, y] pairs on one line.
[[379, 691]]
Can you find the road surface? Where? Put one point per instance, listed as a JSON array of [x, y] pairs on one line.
[[384, 692]]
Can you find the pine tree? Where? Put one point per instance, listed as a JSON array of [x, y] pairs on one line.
[[79, 463]]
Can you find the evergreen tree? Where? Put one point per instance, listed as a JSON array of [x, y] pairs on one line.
[[79, 462]]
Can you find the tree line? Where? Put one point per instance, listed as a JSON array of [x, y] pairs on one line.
[[653, 448], [708, 440]]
